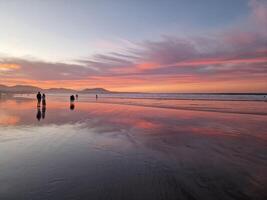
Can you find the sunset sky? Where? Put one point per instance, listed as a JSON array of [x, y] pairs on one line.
[[143, 45]]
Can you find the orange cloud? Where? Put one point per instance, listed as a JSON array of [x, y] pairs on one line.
[[144, 66], [8, 67]]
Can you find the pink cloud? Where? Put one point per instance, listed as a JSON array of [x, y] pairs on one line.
[[259, 12]]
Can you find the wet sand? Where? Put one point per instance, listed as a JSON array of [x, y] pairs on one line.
[[110, 150]]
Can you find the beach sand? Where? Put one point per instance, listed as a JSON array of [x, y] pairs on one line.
[[127, 150]]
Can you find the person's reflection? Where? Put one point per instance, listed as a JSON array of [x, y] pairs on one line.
[[72, 106], [39, 114], [43, 111]]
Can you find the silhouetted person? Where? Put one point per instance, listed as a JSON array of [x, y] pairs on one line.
[[39, 114], [76, 96], [96, 96], [72, 98], [72, 106], [39, 97], [43, 100], [43, 111]]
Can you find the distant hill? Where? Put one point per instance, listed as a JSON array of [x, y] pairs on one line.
[[60, 90], [95, 90], [3, 88], [21, 89]]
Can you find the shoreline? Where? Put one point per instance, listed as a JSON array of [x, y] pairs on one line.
[[105, 96], [165, 104]]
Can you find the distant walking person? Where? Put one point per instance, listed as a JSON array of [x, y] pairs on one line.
[[96, 96], [72, 98], [76, 96], [39, 97], [43, 100]]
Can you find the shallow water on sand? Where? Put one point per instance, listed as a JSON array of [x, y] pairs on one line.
[[107, 150]]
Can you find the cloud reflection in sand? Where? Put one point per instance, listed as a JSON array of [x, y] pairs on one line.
[[124, 150]]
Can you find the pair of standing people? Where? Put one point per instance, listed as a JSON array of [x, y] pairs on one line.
[[41, 98]]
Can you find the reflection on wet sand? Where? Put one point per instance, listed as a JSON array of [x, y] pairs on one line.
[[40, 113], [72, 105], [43, 111], [112, 151]]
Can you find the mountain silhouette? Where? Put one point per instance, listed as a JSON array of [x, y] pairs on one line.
[[24, 89]]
